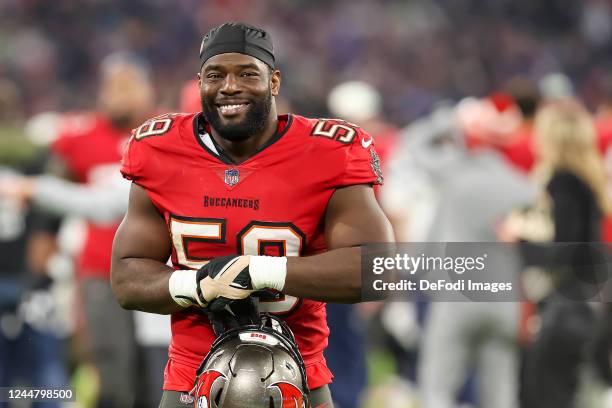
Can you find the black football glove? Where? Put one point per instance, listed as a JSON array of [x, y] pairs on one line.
[[223, 280], [237, 313]]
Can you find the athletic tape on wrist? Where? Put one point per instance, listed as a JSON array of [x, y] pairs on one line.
[[183, 288], [268, 272]]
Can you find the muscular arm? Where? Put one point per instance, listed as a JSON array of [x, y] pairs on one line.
[[353, 218], [139, 274]]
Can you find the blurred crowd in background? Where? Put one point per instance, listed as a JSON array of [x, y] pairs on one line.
[[493, 121], [414, 52]]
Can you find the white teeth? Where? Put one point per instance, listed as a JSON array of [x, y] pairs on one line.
[[231, 109], [232, 106]]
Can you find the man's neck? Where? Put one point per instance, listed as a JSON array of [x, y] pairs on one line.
[[243, 150]]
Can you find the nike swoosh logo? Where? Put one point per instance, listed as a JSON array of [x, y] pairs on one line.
[[365, 144], [238, 286]]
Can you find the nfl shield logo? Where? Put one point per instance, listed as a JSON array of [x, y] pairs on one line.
[[232, 177]]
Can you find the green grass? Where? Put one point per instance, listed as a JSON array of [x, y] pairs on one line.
[[381, 366], [15, 148]]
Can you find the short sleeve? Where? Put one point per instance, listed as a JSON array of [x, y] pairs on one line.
[[132, 160], [362, 165]]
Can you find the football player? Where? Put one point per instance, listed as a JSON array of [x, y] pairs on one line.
[[243, 200], [87, 152], [83, 181]]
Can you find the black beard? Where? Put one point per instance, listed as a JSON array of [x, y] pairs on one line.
[[254, 122]]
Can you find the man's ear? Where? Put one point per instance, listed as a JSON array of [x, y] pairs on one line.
[[275, 81], [199, 79]]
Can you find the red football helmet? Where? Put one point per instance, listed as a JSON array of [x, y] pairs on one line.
[[253, 366]]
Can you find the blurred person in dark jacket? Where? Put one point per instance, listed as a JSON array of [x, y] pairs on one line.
[[32, 347], [570, 168]]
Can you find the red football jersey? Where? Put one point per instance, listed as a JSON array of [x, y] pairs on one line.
[[91, 149], [273, 203]]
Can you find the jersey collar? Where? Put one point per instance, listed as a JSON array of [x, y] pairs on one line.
[[206, 141]]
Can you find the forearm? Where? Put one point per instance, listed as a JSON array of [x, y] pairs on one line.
[[142, 284], [333, 276], [65, 198], [353, 218]]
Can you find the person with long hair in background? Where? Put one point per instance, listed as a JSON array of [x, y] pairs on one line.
[[571, 171]]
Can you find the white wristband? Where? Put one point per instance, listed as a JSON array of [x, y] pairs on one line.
[[183, 288], [268, 272]]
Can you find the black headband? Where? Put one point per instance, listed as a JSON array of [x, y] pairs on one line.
[[240, 38]]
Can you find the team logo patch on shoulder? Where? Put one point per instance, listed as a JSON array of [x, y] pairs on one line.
[[232, 177], [375, 163]]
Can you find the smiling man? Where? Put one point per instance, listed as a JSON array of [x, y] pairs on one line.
[[243, 200]]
